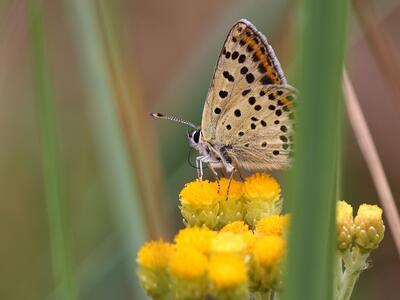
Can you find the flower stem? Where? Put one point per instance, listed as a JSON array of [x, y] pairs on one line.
[[338, 272], [351, 275]]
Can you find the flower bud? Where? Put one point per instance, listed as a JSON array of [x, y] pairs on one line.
[[368, 227], [344, 225]]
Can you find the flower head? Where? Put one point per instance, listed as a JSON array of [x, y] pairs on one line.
[[153, 259], [188, 272], [262, 196], [368, 227], [188, 263], [228, 276], [266, 262], [198, 238], [269, 250], [154, 255], [199, 203], [228, 242], [230, 204], [344, 225], [237, 227], [272, 225]]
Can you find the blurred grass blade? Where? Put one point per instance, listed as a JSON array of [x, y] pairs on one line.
[[370, 153], [60, 250], [322, 27], [136, 122], [112, 149]]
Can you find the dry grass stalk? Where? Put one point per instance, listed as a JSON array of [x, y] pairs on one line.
[[370, 153]]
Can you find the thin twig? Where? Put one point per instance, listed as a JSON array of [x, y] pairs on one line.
[[368, 149]]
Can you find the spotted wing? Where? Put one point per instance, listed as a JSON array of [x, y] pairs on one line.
[[246, 62], [259, 129]]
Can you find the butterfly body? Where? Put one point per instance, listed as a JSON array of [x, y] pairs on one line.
[[247, 119]]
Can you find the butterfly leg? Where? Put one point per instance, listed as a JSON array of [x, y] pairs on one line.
[[200, 166], [216, 176], [199, 163], [229, 182]]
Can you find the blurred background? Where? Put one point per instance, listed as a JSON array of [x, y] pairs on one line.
[[77, 79]]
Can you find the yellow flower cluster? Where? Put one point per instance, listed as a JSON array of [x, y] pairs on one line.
[[235, 243], [223, 264], [202, 204], [365, 231]]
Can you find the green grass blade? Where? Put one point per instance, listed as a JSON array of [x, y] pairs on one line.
[[60, 250], [113, 152], [311, 197]]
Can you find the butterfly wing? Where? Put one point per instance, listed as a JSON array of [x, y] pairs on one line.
[[259, 128], [246, 61]]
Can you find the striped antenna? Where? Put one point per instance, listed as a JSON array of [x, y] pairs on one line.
[[172, 118]]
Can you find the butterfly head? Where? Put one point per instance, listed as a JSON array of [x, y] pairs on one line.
[[194, 138]]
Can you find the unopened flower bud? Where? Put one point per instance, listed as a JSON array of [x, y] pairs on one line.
[[368, 227]]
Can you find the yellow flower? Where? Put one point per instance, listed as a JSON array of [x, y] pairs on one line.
[[195, 237], [242, 229], [154, 255], [188, 263], [199, 203], [272, 225], [237, 227], [228, 276], [188, 268], [228, 242], [344, 225], [199, 194], [153, 259], [262, 186], [368, 227], [262, 197], [269, 250], [266, 271], [235, 189], [231, 206]]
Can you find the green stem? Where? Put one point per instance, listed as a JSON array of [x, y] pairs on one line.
[[338, 272], [351, 275]]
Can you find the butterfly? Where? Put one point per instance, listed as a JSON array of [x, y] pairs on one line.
[[247, 119]]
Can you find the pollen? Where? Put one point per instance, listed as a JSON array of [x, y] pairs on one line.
[[227, 271], [155, 255], [269, 250], [188, 263], [199, 194], [195, 237], [273, 225]]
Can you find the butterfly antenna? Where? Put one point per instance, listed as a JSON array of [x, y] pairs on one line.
[[172, 118]]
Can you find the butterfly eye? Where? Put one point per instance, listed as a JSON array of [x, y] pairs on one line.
[[196, 136]]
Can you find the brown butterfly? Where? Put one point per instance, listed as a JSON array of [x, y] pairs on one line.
[[248, 113]]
